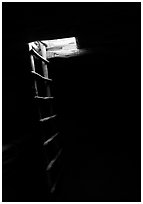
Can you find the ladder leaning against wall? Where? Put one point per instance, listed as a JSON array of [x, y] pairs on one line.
[[48, 119]]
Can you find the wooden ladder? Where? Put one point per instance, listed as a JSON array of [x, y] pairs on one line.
[[48, 119]]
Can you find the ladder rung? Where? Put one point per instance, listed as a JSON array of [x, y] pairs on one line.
[[40, 76], [50, 165], [48, 118], [33, 52], [44, 98], [50, 139]]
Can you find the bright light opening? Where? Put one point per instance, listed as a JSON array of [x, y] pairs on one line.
[[59, 48], [65, 47]]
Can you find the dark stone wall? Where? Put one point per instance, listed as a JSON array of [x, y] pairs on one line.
[[23, 161]]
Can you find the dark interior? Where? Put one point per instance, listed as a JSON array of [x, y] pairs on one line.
[[98, 101]]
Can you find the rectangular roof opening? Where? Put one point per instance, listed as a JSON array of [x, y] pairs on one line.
[[63, 48]]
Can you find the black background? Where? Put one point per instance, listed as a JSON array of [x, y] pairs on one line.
[[98, 94]]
